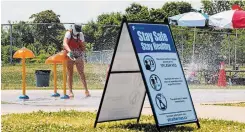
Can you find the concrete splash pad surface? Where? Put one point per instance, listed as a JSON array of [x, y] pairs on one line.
[[43, 97], [42, 100]]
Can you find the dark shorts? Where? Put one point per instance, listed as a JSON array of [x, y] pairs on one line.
[[78, 54]]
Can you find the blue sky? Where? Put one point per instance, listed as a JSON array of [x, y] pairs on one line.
[[72, 11]]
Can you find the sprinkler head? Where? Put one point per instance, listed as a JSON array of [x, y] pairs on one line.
[[65, 97], [24, 97], [55, 95]]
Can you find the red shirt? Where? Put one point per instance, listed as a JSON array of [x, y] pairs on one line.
[[74, 44]]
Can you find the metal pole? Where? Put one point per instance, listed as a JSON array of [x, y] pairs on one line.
[[229, 49], [55, 79], [193, 48], [182, 48], [23, 76], [102, 57], [11, 43], [60, 23], [235, 47], [112, 26], [101, 53], [64, 77]]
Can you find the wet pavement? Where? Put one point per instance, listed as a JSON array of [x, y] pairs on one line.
[[217, 95], [42, 100]]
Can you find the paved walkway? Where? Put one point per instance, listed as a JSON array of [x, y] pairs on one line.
[[41, 100]]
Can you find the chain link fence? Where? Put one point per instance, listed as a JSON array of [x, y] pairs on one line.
[[208, 49], [46, 39], [103, 57]]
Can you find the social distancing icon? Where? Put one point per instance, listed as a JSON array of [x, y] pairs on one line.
[[155, 82]]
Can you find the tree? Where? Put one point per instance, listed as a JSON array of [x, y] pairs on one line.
[[5, 54], [89, 31], [241, 3], [215, 6], [102, 34], [5, 37], [89, 35], [22, 34], [156, 15], [175, 8], [48, 34], [137, 12], [107, 32]]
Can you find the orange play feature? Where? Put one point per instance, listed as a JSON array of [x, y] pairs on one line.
[[53, 59], [24, 53], [61, 56]]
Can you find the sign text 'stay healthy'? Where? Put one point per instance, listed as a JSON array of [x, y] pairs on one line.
[[153, 40]]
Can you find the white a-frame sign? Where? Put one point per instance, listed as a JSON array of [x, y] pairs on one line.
[[145, 61]]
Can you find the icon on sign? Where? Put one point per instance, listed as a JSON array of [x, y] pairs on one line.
[[133, 27], [149, 63], [161, 102], [155, 82]]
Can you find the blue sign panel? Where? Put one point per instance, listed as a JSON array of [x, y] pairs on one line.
[[148, 40], [166, 85]]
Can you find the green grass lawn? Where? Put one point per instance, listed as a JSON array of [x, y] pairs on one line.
[[95, 76], [12, 76], [3, 102], [240, 104], [74, 121]]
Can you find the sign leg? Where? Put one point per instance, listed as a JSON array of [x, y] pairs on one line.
[[198, 124], [158, 128], [95, 124], [138, 119]]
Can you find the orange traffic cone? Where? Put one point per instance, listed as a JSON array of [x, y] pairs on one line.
[[222, 75]]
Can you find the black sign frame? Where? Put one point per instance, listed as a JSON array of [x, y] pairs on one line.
[[143, 77]]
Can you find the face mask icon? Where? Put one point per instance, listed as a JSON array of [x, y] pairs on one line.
[[149, 63]]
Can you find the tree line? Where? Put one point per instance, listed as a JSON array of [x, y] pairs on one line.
[[101, 34]]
